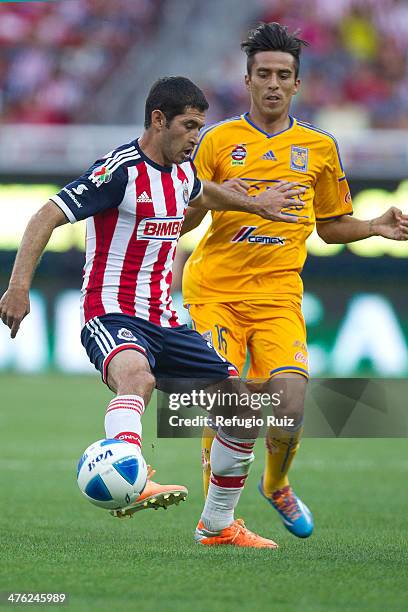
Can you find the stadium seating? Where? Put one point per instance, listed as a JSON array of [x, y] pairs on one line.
[[56, 56]]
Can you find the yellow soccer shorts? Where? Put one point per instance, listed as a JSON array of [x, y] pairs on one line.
[[274, 334]]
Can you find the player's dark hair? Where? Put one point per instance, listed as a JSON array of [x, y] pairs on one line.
[[272, 37], [172, 95]]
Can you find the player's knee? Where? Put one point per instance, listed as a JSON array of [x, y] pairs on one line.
[[292, 408], [291, 398], [134, 380], [129, 374]]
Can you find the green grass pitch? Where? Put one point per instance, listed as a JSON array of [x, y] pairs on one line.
[[52, 540]]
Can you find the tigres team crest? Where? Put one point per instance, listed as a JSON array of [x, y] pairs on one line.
[[299, 157], [238, 155]]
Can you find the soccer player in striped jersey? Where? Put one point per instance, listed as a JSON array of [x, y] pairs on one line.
[[242, 283], [134, 200]]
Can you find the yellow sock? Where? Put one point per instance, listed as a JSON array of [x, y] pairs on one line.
[[281, 448], [206, 443]]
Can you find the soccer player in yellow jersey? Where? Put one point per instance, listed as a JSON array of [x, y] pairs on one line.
[[242, 283]]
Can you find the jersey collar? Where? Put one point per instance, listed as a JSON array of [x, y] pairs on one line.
[[149, 161], [248, 120]]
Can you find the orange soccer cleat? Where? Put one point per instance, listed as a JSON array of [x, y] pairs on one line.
[[155, 496], [234, 535]]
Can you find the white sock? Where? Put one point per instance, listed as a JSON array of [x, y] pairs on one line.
[[231, 460], [123, 419]]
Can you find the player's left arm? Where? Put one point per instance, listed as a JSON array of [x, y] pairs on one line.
[[333, 208], [392, 224], [278, 203]]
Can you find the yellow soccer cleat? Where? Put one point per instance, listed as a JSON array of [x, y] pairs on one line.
[[155, 496], [234, 535]]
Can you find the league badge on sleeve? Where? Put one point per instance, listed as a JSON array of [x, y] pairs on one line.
[[101, 175], [238, 155], [299, 157]]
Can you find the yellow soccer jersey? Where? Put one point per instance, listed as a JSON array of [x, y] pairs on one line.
[[242, 256]]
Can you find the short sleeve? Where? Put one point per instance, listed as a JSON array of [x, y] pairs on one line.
[[197, 186], [203, 156], [98, 189], [332, 193]]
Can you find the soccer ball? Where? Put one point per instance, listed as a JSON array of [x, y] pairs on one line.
[[111, 473]]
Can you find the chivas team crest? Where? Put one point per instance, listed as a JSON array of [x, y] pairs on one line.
[[186, 195]]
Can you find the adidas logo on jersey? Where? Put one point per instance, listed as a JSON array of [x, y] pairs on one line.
[[144, 198], [270, 156]]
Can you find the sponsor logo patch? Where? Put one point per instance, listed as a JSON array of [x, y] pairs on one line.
[[299, 356], [301, 345], [238, 155], [71, 195], [101, 175], [159, 228], [299, 157], [80, 189], [125, 334], [245, 235]]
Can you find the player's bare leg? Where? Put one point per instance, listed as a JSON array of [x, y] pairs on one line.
[[129, 375], [282, 444]]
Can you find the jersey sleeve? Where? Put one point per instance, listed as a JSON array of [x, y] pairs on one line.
[[332, 193], [204, 156], [98, 189], [197, 185]]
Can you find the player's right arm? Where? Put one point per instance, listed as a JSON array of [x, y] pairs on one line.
[[15, 303]]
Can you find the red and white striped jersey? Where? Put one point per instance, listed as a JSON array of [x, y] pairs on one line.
[[134, 210]]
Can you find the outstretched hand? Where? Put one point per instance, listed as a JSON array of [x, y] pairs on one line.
[[280, 202], [14, 306], [392, 224]]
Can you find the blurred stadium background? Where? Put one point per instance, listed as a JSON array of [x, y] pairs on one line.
[[73, 79]]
